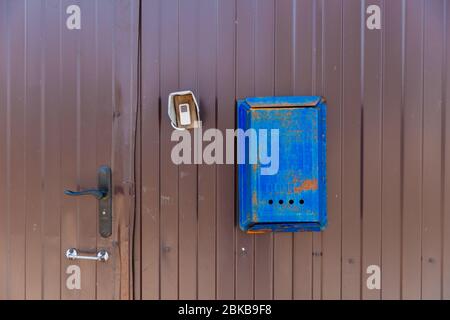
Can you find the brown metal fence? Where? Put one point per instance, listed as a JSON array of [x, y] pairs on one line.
[[388, 146]]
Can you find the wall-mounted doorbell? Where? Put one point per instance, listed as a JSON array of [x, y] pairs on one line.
[[185, 116], [183, 110]]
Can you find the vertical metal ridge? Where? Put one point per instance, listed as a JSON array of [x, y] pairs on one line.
[[293, 85], [443, 142], [135, 93], [25, 176], [114, 105], [322, 86], [3, 102], [342, 136], [362, 93], [197, 87], [159, 153], [423, 37], [96, 21], [236, 84], [178, 168], [8, 149], [42, 148], [254, 13], [314, 92], [216, 85], [78, 131], [402, 145], [8, 152], [274, 89], [160, 107], [137, 252], [382, 112], [445, 247], [294, 56], [60, 77]]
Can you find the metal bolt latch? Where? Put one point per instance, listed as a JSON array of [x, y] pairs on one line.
[[101, 256]]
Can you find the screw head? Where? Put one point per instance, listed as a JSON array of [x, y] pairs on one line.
[[103, 255], [71, 253]]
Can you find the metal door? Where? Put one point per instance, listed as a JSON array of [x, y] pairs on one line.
[[68, 95]]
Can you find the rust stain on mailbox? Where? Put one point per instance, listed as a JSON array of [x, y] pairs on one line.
[[307, 185]]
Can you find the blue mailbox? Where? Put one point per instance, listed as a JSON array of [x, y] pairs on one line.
[[282, 169]]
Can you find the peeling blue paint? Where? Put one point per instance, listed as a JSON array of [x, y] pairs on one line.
[[295, 199]]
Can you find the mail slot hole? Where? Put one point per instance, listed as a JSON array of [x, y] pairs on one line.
[[281, 201]]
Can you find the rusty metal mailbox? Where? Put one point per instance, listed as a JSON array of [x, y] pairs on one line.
[[292, 196]]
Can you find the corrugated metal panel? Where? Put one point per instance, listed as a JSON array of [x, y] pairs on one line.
[[388, 137], [67, 106], [387, 152]]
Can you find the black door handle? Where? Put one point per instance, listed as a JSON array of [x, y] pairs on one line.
[[98, 194], [103, 194]]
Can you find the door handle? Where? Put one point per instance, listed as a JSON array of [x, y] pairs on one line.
[[98, 194], [101, 256], [103, 194]]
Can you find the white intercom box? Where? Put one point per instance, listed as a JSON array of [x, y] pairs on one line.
[[183, 110]]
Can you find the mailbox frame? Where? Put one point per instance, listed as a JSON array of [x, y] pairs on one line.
[[254, 215]]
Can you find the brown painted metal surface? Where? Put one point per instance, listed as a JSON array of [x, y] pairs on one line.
[[67, 104], [70, 101], [387, 148]]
